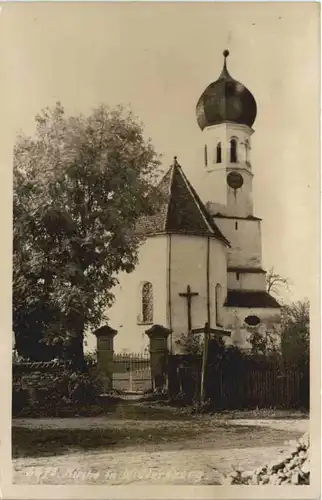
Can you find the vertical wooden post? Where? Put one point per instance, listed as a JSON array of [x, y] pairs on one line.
[[204, 363], [131, 375]]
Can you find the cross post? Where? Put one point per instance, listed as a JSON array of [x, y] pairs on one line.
[[188, 295], [204, 361], [207, 331]]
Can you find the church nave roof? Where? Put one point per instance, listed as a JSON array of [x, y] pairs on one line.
[[181, 211]]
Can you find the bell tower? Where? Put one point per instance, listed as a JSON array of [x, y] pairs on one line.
[[225, 113]]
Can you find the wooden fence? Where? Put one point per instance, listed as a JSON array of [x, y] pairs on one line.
[[244, 388], [265, 388]]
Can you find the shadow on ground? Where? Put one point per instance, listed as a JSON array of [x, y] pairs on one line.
[[48, 442]]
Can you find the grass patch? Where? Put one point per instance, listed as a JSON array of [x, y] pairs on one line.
[[252, 414], [264, 414], [49, 442], [38, 442]]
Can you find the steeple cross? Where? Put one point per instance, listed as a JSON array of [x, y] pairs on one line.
[[188, 295]]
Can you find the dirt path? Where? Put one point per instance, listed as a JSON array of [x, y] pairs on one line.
[[219, 447], [185, 466]]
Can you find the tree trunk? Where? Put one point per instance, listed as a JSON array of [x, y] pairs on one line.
[[76, 349]]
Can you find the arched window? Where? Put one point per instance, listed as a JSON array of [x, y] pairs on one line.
[[147, 302], [233, 151], [218, 292], [218, 153], [206, 155]]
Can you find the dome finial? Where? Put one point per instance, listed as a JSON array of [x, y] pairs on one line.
[[224, 74]]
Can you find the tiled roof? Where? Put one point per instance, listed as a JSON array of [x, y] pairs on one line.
[[244, 298], [181, 210]]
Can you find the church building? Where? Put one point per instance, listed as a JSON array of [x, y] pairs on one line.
[[202, 262]]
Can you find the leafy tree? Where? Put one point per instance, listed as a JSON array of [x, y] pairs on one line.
[[295, 334], [80, 184]]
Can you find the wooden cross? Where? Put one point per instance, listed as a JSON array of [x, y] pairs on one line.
[[188, 295], [207, 331]]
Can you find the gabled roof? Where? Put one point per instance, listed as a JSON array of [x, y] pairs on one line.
[[181, 210], [245, 298]]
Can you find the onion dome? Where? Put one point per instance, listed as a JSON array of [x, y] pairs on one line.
[[226, 100]]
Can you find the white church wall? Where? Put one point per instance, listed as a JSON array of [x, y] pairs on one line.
[[217, 275], [125, 312], [235, 320], [246, 281], [189, 267], [245, 240]]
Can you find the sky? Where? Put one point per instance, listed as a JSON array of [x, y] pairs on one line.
[[159, 57]]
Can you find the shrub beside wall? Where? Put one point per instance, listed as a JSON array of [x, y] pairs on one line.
[[48, 389], [239, 380]]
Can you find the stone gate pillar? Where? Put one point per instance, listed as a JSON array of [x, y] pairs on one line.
[[105, 350], [158, 336]]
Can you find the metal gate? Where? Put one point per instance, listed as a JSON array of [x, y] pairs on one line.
[[131, 372]]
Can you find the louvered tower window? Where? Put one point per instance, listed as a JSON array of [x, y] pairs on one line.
[[233, 151]]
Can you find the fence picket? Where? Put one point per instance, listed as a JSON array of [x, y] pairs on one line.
[[263, 388]]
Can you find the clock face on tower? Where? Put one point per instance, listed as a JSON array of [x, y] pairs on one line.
[[235, 180]]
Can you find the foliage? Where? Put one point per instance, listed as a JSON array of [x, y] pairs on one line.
[[190, 344], [20, 399], [217, 350], [264, 342], [80, 185], [295, 337], [222, 357], [91, 359], [47, 392]]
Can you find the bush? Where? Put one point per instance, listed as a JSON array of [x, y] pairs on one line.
[[90, 359], [20, 400], [182, 399], [48, 392], [84, 388], [155, 395]]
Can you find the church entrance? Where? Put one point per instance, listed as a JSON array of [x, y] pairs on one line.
[[132, 372]]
